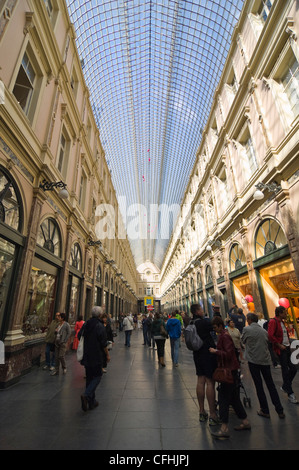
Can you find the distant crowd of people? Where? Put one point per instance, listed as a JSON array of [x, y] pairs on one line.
[[226, 344]]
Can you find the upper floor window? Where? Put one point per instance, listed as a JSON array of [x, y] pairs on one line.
[[82, 192], [236, 257], [49, 7], [10, 202], [209, 275], [264, 9], [290, 83], [76, 257], [52, 10], [99, 274], [250, 152], [247, 151], [63, 153], [25, 83]]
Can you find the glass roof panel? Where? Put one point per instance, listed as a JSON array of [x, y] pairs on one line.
[[152, 68]]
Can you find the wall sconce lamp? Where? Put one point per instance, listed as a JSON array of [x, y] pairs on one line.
[[111, 261], [94, 243], [272, 188], [48, 186], [211, 243]]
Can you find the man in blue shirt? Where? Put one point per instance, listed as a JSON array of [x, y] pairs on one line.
[[174, 329]]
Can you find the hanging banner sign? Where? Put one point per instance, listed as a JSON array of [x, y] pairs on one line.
[[148, 301]]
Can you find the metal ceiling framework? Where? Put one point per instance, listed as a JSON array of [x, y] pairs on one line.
[[152, 68]]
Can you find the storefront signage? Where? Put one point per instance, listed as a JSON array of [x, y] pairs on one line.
[[148, 301]]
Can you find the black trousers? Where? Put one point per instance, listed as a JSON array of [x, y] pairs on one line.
[[258, 373], [288, 370], [229, 394], [160, 347]]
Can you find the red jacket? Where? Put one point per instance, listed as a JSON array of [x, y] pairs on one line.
[[275, 333], [226, 353]]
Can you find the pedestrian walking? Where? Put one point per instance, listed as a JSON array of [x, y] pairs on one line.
[[62, 335], [229, 393], [174, 329], [128, 326], [255, 339], [157, 332], [279, 337], [205, 365], [50, 344], [95, 352]]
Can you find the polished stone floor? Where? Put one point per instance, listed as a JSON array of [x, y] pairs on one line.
[[141, 407]]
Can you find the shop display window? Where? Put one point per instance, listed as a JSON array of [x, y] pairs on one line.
[[40, 302], [279, 281], [7, 256]]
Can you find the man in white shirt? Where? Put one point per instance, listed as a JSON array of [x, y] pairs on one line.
[[255, 339], [128, 325]]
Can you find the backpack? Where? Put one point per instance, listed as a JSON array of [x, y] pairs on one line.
[[192, 340]]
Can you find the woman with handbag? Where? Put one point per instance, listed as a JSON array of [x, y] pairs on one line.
[[158, 329], [227, 375]]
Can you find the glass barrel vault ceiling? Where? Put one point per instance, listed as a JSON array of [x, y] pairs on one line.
[[152, 68]]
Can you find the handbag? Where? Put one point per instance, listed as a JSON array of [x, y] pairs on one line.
[[223, 374], [163, 332], [80, 349]]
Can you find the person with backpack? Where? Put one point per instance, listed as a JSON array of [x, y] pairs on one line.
[[205, 365], [279, 337]]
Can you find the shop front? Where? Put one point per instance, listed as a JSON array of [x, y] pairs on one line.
[[241, 286], [276, 274], [11, 244]]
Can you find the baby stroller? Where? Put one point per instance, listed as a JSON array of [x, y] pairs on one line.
[[246, 398]]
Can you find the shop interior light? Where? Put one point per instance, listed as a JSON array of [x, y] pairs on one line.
[[258, 195]]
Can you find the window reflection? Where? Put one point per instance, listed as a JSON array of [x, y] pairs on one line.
[[9, 205]]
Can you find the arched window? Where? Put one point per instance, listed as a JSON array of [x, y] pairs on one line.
[[76, 257], [209, 275], [106, 280], [269, 237], [49, 236], [236, 257], [11, 209]]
